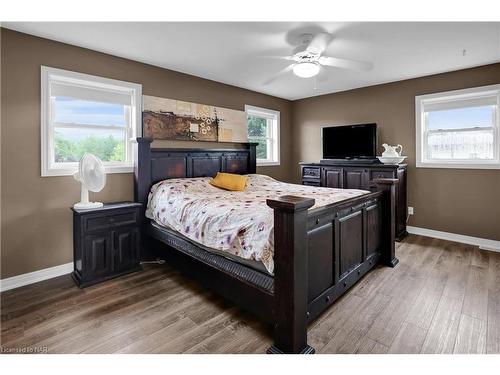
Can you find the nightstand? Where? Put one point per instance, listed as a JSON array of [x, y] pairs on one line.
[[106, 242]]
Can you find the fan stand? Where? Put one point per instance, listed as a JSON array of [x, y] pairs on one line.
[[84, 203]]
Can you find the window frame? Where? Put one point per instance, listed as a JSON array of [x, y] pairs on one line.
[[274, 138], [133, 130], [449, 96]]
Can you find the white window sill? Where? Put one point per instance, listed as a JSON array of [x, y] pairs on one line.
[[70, 171], [267, 163], [458, 165]]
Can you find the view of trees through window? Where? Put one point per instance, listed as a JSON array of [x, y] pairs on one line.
[[106, 148], [257, 132]]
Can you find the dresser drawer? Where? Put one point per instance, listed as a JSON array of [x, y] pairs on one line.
[[309, 172], [381, 174], [104, 221], [311, 182]]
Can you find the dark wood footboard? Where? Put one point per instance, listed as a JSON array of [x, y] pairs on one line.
[[319, 254]]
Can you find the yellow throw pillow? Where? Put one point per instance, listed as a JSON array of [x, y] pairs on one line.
[[229, 181]]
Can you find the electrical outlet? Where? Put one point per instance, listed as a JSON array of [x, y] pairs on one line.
[[410, 211]]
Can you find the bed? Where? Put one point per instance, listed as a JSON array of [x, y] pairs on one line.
[[305, 247], [234, 224]]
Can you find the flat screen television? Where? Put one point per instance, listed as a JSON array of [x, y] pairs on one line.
[[350, 142]]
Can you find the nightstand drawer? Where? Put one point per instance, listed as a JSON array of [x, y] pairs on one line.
[[100, 222]]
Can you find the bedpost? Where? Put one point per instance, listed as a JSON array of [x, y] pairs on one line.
[[142, 170], [142, 184], [252, 160], [388, 187], [290, 274]]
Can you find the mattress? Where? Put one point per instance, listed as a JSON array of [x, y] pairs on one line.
[[238, 225]]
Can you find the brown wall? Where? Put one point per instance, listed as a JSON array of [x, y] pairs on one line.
[[36, 222], [453, 200], [35, 216]]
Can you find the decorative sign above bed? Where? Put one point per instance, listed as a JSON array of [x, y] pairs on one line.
[[176, 120]]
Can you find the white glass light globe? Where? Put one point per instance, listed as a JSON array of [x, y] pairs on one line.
[[306, 69]]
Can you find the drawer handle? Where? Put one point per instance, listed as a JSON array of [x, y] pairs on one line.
[[317, 221]]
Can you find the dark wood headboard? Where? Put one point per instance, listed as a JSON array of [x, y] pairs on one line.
[[157, 164]]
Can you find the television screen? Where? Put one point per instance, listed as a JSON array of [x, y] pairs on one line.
[[351, 141]]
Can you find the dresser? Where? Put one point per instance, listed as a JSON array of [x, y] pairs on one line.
[[345, 175], [106, 242]]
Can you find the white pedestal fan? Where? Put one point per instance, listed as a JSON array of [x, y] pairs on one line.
[[92, 175]]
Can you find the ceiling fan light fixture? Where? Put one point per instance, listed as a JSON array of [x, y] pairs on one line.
[[306, 69]]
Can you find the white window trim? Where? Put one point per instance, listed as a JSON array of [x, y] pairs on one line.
[[268, 113], [456, 95], [48, 168]]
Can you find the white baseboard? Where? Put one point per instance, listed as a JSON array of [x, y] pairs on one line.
[[483, 243], [34, 277]]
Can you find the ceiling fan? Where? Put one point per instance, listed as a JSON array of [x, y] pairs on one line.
[[308, 60]]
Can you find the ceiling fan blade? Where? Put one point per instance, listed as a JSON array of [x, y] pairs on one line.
[[282, 72], [345, 63], [322, 75], [276, 57], [318, 43]]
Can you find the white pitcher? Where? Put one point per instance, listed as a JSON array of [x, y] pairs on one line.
[[391, 151]]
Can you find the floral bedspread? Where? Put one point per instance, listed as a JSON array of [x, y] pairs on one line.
[[239, 223]]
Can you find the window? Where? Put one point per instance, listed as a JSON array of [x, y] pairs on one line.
[[459, 129], [83, 113], [264, 129]]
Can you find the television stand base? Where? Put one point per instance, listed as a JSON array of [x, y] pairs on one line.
[[350, 161]]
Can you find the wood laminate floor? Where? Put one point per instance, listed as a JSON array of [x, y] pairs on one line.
[[443, 297]]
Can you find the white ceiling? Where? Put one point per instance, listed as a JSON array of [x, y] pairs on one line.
[[240, 54]]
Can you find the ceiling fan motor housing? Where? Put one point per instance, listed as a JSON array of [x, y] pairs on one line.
[[306, 56]]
